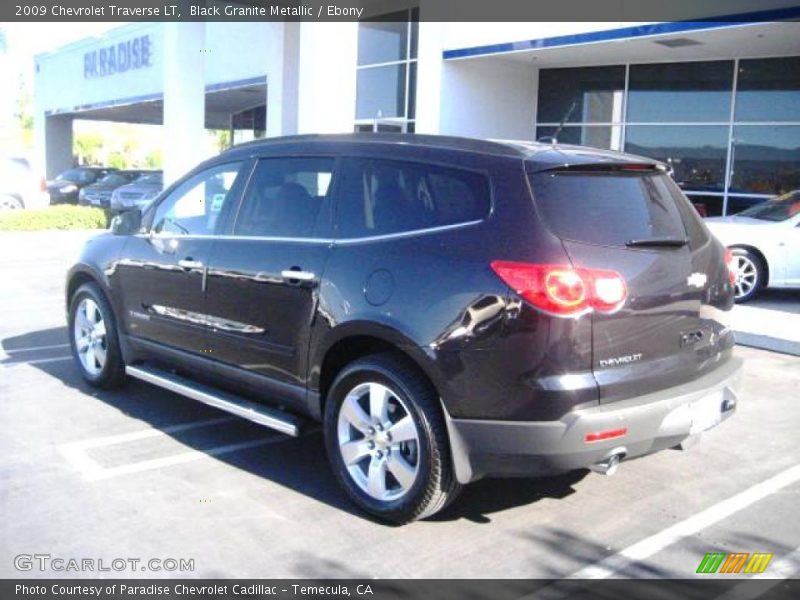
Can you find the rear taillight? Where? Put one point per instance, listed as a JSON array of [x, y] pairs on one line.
[[564, 290], [43, 185], [609, 434], [730, 262]]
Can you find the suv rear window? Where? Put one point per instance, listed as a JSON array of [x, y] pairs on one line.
[[608, 208]]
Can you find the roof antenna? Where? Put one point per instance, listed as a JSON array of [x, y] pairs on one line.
[[554, 138]]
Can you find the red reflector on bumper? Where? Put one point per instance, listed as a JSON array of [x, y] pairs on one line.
[[605, 435]]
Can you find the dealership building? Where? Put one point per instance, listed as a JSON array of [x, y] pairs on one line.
[[717, 100]]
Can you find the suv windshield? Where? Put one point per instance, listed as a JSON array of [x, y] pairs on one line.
[[638, 206], [779, 209]]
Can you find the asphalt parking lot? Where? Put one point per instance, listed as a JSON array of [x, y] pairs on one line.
[[143, 473]]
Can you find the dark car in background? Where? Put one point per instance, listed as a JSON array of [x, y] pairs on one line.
[[139, 193], [99, 193], [448, 308], [67, 185]]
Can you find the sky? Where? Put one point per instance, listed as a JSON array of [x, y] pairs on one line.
[[24, 40]]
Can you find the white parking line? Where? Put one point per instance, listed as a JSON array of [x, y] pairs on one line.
[[142, 434], [176, 459], [713, 514], [569, 586], [8, 351], [38, 361], [786, 567], [91, 470], [19, 304]]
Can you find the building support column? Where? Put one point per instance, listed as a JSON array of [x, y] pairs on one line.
[[54, 134], [326, 86], [185, 140], [311, 79], [429, 75]]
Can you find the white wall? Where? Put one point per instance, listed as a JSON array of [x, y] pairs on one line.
[[326, 98], [235, 51], [488, 99]]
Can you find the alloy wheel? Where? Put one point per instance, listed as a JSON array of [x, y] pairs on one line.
[[9, 203], [378, 441], [89, 332], [746, 275]]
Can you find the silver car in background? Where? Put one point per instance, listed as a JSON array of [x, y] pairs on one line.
[[19, 186], [138, 194]]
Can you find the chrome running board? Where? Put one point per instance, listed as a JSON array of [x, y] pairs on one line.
[[252, 411]]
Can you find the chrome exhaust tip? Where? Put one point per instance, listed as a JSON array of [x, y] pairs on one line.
[[608, 466]]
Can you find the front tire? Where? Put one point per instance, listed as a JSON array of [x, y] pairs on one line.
[[750, 272], [387, 441], [93, 338]]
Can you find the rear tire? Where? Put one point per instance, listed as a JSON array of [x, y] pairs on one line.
[[387, 441], [93, 338], [10, 203], [750, 274]]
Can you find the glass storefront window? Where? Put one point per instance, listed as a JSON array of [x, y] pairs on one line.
[[582, 95], [384, 40], [696, 154], [768, 89], [380, 92], [412, 91], [737, 204], [387, 92], [680, 92], [249, 124], [607, 137], [706, 206], [766, 159]]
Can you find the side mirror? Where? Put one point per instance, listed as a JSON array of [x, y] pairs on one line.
[[126, 223]]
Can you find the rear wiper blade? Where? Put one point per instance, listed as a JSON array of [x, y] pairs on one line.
[[669, 242]]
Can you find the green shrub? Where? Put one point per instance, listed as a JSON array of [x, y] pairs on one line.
[[54, 217]]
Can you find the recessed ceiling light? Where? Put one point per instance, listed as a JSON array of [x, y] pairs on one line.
[[678, 42]]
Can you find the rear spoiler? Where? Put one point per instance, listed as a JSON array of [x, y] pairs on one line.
[[608, 167]]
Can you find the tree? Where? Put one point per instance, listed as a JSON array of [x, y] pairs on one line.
[[153, 160], [23, 113], [88, 148], [222, 139]]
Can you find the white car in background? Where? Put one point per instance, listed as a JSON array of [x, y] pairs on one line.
[[19, 186], [765, 242]]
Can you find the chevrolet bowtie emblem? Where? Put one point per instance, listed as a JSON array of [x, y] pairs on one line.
[[697, 280]]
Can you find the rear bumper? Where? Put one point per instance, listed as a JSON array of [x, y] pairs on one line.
[[655, 421]]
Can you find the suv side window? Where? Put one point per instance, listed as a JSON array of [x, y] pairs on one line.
[[193, 208], [379, 197], [285, 197]]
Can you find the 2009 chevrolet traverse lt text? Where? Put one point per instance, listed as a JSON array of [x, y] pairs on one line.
[[449, 308]]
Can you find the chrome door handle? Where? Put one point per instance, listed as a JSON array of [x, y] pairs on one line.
[[297, 275], [188, 263]]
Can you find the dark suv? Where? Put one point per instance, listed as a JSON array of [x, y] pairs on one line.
[[449, 308]]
